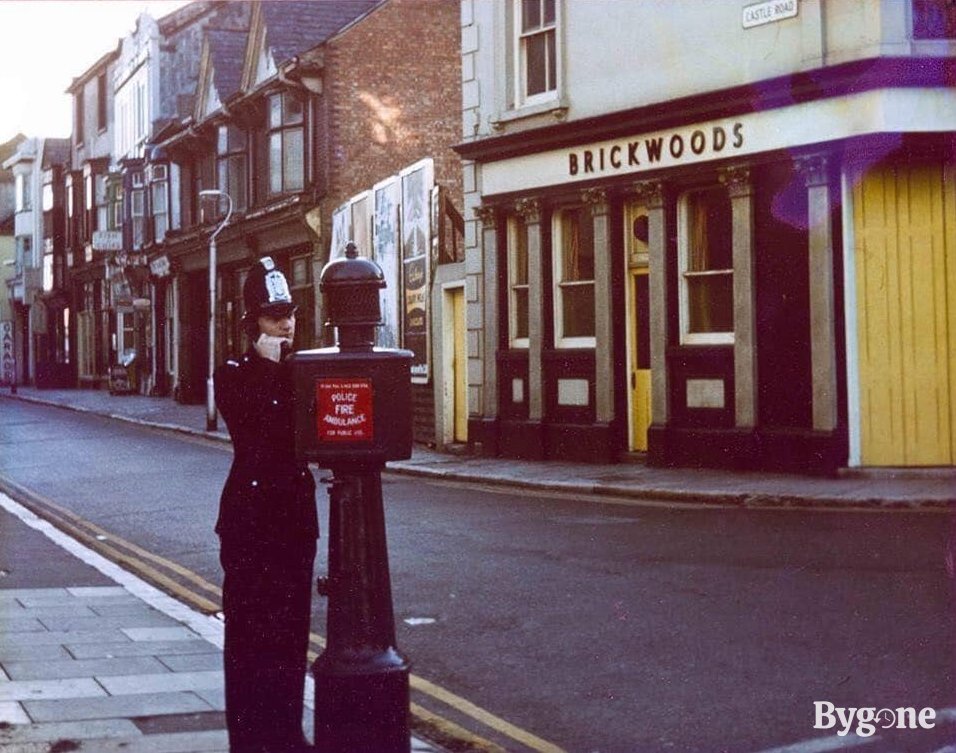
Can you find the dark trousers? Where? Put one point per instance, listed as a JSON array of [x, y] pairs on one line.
[[266, 597]]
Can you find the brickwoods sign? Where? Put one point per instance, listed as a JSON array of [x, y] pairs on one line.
[[879, 111]]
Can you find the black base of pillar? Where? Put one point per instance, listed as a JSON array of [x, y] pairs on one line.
[[364, 709]]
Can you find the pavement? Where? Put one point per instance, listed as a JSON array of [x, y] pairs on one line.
[[851, 488]]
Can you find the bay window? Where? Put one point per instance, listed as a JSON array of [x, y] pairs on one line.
[[286, 143], [231, 164]]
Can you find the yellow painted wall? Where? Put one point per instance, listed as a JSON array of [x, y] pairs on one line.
[[905, 258]]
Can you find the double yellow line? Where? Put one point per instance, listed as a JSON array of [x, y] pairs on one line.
[[200, 594]]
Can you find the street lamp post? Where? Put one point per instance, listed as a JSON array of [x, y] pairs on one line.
[[210, 394]]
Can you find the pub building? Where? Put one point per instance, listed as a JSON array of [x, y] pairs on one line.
[[756, 276]]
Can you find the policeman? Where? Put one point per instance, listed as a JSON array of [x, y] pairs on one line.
[[267, 528]]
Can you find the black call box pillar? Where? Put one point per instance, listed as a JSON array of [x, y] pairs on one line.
[[353, 413]]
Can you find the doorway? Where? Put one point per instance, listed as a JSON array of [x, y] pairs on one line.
[[455, 372]]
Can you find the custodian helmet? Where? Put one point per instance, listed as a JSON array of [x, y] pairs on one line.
[[265, 291]]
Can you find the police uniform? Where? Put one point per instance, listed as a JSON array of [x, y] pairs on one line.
[[268, 528]]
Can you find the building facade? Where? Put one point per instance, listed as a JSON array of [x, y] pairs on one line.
[[713, 246], [36, 286], [299, 121]]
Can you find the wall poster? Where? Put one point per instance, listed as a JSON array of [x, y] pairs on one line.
[[417, 181], [341, 230], [385, 234]]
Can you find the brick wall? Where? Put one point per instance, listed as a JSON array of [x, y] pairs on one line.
[[393, 93]]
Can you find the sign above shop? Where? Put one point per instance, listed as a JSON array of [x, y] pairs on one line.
[[798, 125], [160, 266], [759, 14], [107, 240]]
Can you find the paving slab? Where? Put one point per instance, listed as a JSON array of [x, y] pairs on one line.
[[48, 670], [12, 712], [162, 683], [191, 662], [51, 731], [29, 653], [152, 619], [109, 650], [58, 637], [160, 634], [112, 707], [24, 690]]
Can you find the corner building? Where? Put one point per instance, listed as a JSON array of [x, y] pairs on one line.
[[723, 234]]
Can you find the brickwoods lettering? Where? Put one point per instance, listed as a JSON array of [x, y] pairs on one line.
[[648, 151]]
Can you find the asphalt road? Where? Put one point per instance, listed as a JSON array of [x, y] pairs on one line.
[[596, 626]]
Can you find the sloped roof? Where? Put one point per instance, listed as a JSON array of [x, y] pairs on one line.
[[294, 26], [227, 51], [56, 152]]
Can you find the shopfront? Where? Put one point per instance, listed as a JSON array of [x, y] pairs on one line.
[[736, 292]]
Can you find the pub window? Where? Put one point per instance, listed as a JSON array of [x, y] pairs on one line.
[[573, 255], [536, 49], [231, 164], [517, 282], [286, 143], [300, 279], [934, 19], [706, 259]]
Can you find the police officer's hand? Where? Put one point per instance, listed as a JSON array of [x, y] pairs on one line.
[[271, 347]]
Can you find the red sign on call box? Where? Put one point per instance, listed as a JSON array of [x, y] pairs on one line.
[[344, 410]]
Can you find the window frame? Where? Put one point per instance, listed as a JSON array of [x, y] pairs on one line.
[[923, 31], [687, 337], [519, 55], [559, 285], [517, 231], [229, 155], [283, 128]]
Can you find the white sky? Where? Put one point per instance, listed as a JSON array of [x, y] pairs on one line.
[[45, 44]]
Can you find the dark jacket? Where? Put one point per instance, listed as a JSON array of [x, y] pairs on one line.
[[268, 496]]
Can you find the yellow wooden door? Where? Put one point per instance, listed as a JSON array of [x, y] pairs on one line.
[[640, 359], [460, 368], [905, 258]]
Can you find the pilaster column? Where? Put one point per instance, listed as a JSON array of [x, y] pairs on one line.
[[737, 180], [651, 194], [530, 211], [815, 170], [483, 335], [595, 199]]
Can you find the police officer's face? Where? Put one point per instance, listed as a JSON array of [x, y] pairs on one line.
[[278, 325]]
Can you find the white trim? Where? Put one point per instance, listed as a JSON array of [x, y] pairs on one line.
[[850, 321], [686, 336], [514, 225], [557, 257]]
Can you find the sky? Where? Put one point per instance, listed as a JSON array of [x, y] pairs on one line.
[[46, 44]]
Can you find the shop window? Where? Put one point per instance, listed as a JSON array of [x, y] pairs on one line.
[[517, 282], [231, 164], [706, 274], [286, 143], [111, 211], [934, 19], [536, 43], [573, 253]]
